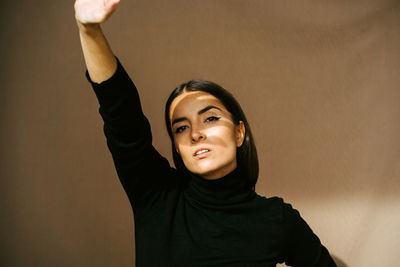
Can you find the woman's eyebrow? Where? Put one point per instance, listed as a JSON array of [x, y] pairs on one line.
[[206, 109], [201, 111]]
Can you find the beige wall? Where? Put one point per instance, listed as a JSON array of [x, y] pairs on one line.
[[319, 81]]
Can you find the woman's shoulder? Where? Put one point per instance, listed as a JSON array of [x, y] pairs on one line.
[[273, 202], [275, 207]]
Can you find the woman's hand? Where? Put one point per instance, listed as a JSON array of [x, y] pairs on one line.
[[99, 58], [94, 11]]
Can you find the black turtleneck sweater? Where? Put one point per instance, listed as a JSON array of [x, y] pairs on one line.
[[185, 220]]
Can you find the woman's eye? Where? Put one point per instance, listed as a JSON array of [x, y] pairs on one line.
[[180, 129], [212, 118]]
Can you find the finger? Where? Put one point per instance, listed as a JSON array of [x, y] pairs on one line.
[[111, 5]]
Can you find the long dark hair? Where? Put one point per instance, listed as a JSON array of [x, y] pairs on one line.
[[246, 155]]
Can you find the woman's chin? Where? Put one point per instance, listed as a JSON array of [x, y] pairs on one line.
[[210, 169], [212, 174]]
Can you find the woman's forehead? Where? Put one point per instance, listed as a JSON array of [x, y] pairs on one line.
[[190, 101]]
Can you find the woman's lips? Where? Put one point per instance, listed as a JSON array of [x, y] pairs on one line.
[[201, 153]]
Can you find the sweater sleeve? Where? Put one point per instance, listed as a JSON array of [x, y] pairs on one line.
[[143, 172], [302, 247]]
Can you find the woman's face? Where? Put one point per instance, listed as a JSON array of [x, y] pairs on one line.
[[205, 135]]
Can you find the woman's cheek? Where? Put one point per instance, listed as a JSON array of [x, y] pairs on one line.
[[221, 135], [183, 151], [178, 140]]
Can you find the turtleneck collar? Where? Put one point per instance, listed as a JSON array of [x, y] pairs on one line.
[[230, 189]]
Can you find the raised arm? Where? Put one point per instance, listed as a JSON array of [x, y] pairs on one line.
[[99, 58], [143, 172]]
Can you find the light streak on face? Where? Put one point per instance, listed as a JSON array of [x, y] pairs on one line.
[[205, 135]]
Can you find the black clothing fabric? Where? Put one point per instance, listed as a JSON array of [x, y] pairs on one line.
[[185, 220]]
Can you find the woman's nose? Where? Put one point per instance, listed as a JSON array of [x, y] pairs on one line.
[[197, 135]]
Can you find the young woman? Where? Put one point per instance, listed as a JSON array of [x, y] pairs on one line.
[[205, 211]]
